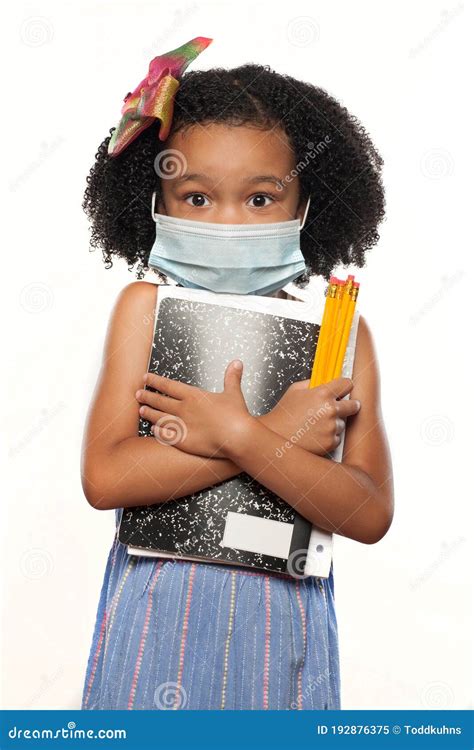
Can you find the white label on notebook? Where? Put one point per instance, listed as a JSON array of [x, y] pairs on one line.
[[254, 534]]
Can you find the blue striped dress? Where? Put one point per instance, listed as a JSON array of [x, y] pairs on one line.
[[176, 634]]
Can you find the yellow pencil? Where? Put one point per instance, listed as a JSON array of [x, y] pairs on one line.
[[341, 297], [335, 333], [347, 329], [332, 317], [323, 338], [337, 348]]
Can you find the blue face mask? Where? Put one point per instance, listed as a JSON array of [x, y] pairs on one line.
[[228, 258]]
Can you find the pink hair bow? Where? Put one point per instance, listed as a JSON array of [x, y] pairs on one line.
[[154, 96]]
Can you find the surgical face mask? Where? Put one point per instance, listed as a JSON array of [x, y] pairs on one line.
[[228, 258]]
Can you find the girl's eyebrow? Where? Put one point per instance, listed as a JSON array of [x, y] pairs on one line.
[[266, 178], [257, 178], [194, 176]]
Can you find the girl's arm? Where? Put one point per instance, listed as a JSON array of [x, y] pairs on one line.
[[118, 467], [353, 498]]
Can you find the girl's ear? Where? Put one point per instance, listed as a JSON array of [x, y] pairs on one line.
[[302, 210], [160, 208]]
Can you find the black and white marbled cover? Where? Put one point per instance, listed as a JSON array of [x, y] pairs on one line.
[[194, 340]]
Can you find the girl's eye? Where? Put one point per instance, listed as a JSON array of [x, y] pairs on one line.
[[199, 196], [260, 196]]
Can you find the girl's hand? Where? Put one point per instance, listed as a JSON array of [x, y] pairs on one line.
[[313, 418], [193, 419]]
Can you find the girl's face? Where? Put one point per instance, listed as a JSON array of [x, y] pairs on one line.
[[229, 175]]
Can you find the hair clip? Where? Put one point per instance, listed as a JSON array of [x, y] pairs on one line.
[[153, 98]]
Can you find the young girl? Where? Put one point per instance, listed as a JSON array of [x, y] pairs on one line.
[[246, 146]]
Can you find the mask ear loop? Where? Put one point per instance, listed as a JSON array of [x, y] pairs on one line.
[[153, 198], [305, 213], [291, 288]]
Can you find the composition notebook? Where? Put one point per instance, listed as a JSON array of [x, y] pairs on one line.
[[238, 521]]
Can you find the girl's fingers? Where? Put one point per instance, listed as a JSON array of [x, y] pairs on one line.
[[347, 407], [151, 415], [340, 387], [340, 425], [171, 387], [166, 404]]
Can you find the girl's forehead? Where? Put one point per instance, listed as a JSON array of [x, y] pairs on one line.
[[212, 147]]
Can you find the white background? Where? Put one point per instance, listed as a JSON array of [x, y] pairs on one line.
[[403, 604]]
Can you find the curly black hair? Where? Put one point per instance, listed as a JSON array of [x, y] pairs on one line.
[[343, 179]]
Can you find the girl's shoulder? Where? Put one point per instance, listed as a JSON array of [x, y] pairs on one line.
[[131, 322], [136, 302], [365, 361], [138, 292]]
